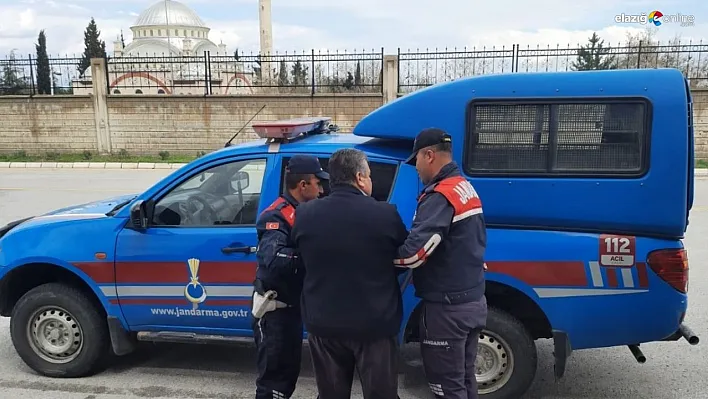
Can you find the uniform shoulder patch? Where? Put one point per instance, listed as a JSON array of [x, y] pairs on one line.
[[288, 212], [272, 226], [461, 195]]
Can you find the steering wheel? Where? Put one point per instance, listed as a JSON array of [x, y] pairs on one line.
[[197, 210]]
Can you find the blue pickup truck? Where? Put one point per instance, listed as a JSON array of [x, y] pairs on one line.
[[586, 179]]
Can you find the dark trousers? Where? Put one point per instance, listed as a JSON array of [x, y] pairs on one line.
[[334, 362], [449, 336], [278, 336]]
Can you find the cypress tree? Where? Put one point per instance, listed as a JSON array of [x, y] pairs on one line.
[[44, 75]]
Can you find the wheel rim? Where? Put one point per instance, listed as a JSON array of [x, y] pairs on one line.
[[55, 335], [494, 363]]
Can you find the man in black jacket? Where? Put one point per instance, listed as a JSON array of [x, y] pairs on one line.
[[351, 300]]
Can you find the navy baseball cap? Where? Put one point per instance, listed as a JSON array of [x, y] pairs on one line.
[[306, 164], [426, 138]]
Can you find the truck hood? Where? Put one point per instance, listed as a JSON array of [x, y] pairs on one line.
[[96, 207], [89, 210]]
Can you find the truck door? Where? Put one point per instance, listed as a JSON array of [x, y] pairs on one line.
[[193, 267]]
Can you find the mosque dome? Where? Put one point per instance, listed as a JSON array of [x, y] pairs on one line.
[[169, 27], [169, 13]]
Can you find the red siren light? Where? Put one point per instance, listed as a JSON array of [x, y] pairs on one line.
[[290, 128]]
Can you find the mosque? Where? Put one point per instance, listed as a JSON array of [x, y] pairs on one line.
[[166, 56]]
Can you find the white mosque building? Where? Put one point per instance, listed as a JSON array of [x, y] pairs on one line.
[[167, 56]]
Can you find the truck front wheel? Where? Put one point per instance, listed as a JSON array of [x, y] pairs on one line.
[[506, 357], [58, 332]]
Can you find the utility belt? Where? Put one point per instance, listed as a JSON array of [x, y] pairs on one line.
[[265, 301], [455, 298]]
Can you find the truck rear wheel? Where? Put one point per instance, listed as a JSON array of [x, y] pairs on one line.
[[506, 357], [58, 332]]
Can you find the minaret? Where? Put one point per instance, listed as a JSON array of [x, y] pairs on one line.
[[266, 29]]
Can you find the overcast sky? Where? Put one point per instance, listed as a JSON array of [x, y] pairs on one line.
[[353, 24]]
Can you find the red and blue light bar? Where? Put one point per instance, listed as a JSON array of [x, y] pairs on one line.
[[290, 128]]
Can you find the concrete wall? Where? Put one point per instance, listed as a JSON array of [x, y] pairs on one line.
[[47, 124], [150, 124], [145, 124], [700, 120], [190, 124]]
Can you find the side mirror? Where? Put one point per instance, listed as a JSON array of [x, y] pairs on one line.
[[138, 216], [240, 181]]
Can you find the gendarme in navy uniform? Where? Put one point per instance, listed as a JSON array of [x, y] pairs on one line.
[[277, 323], [445, 248]]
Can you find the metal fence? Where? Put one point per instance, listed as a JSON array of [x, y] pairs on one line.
[[314, 72], [419, 69], [203, 74], [19, 76]]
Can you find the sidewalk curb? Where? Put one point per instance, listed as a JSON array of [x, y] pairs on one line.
[[91, 165], [142, 165]]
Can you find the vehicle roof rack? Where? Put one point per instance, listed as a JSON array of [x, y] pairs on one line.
[[286, 130]]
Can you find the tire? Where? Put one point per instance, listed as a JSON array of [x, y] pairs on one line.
[[69, 322], [511, 357]]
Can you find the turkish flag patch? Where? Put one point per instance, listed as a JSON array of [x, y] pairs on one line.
[[272, 226]]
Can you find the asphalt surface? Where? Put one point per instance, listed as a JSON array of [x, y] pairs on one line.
[[672, 370]]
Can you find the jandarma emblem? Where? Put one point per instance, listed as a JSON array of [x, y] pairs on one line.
[[194, 291]]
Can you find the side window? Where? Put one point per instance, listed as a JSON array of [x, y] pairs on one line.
[[592, 138], [382, 178], [227, 194]]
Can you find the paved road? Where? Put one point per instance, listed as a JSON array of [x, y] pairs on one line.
[[672, 370]]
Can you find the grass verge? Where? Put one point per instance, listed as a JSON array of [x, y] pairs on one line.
[[701, 163], [87, 156]]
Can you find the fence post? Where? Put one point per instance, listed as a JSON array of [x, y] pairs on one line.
[[383, 65], [33, 92], [108, 75], [312, 67], [100, 105], [207, 71], [390, 78], [639, 55], [398, 71]]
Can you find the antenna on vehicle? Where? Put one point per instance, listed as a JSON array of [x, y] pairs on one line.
[[228, 143]]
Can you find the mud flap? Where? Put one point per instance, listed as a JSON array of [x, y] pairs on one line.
[[561, 352], [122, 341]]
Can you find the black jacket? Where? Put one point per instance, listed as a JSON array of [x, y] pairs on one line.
[[347, 242], [447, 242], [279, 268]]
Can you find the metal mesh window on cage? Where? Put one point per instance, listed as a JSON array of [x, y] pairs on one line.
[[538, 138]]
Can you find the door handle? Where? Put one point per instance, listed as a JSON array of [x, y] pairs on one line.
[[245, 250]]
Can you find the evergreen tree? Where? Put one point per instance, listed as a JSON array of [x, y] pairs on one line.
[[94, 47], [349, 82], [357, 74], [283, 74], [10, 81], [44, 74], [594, 56], [299, 74]]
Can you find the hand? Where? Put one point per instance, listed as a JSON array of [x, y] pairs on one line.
[[485, 266]]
